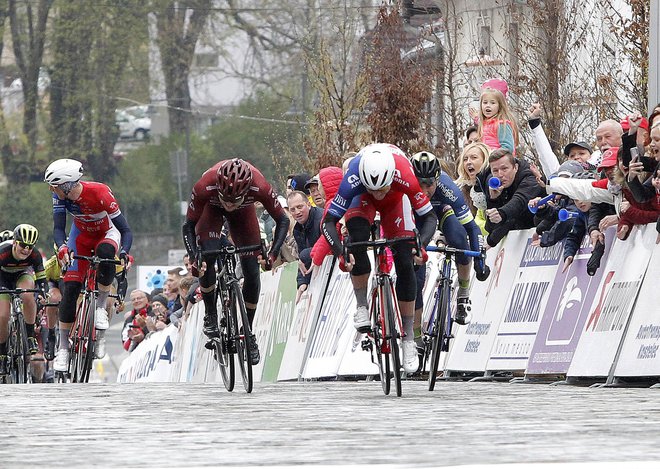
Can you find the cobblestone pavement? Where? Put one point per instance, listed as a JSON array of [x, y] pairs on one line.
[[187, 425]]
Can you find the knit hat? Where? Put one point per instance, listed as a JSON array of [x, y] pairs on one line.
[[159, 299], [496, 84]]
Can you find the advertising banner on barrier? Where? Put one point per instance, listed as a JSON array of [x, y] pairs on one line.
[[305, 315], [284, 308], [151, 361], [622, 277], [473, 343], [571, 295], [639, 356], [150, 277], [262, 325], [526, 303], [334, 328]]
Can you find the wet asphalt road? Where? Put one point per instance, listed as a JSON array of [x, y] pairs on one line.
[[184, 425]]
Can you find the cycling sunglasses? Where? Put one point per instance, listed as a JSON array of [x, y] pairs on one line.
[[426, 181], [232, 200], [25, 245]]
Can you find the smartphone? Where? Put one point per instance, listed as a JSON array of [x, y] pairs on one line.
[[634, 155]]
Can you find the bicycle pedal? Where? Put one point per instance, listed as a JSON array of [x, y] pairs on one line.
[[366, 345]]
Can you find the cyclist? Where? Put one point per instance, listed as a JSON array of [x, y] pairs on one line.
[[98, 226], [228, 191], [456, 224], [20, 264], [381, 178]]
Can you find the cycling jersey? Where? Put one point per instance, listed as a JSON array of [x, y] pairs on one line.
[[448, 193], [404, 182], [205, 200], [11, 269], [52, 269], [95, 212]]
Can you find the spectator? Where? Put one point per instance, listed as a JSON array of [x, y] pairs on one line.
[[266, 222], [171, 291], [135, 324], [497, 127], [315, 189], [306, 231], [161, 314], [329, 180], [189, 290], [289, 251], [473, 159], [608, 135], [507, 204], [471, 135], [580, 225], [187, 265], [549, 229], [296, 182]]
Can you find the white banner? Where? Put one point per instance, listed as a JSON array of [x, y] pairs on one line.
[[525, 306], [151, 277], [639, 356], [263, 319], [305, 316], [608, 315], [473, 343], [151, 361], [334, 328]]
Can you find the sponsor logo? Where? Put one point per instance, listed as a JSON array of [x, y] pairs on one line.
[[339, 200], [419, 196], [526, 301], [398, 221]]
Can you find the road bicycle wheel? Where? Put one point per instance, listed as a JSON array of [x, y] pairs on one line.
[[88, 341], [438, 330], [242, 333], [380, 344], [21, 354], [224, 351], [393, 337]]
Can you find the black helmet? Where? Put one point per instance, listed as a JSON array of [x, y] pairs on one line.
[[426, 165]]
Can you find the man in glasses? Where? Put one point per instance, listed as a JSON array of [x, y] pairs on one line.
[[20, 264], [226, 193]]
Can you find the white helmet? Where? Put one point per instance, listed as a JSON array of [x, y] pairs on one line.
[[64, 170], [377, 165]]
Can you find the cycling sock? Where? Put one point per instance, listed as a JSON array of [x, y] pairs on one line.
[[361, 296], [3, 348], [64, 339], [29, 328], [250, 313], [463, 288], [102, 298], [408, 325]]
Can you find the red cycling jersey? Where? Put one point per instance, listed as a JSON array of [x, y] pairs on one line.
[[205, 192], [93, 210]]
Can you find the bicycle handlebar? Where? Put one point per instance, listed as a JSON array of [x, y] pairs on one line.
[[451, 250], [231, 249], [97, 259], [19, 291], [381, 242]]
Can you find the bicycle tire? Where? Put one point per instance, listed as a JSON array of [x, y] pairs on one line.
[[378, 337], [439, 329], [20, 355], [223, 354], [243, 331], [393, 337], [88, 341]]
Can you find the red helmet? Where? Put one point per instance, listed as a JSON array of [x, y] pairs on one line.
[[234, 179]]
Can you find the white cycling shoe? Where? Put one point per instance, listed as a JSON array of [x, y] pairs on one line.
[[61, 362], [410, 356], [361, 319], [101, 319]]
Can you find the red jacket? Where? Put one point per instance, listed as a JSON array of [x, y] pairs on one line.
[[330, 179]]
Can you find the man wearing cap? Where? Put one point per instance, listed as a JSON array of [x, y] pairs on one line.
[[306, 231], [316, 191], [296, 182]]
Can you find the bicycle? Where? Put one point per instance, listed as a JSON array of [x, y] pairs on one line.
[[386, 326], [18, 352], [83, 332], [233, 322], [438, 331]]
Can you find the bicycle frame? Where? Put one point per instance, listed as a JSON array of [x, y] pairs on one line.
[[386, 323], [17, 346], [438, 331]]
